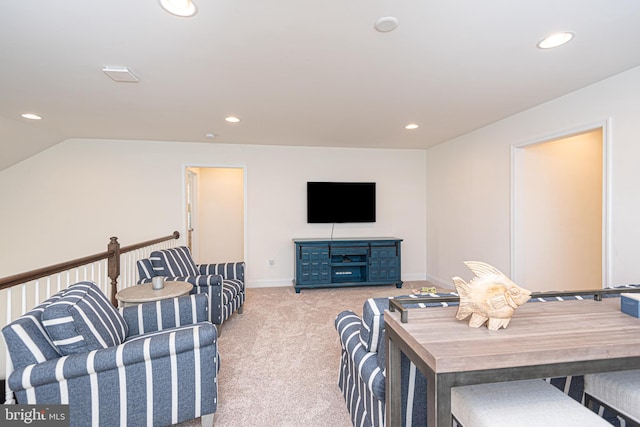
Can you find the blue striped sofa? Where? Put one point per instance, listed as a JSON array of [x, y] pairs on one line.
[[363, 363], [151, 364], [222, 283]]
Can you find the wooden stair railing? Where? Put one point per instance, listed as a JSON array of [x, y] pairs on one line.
[[112, 255]]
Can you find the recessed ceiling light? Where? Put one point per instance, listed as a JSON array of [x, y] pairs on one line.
[[184, 8], [210, 135], [555, 40], [411, 126], [232, 119], [386, 24], [31, 116]]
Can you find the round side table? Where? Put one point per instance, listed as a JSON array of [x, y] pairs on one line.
[[138, 294]]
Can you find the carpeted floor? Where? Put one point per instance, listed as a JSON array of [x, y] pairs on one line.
[[279, 359]]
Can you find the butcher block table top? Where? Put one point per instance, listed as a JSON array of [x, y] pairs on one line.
[[544, 339]]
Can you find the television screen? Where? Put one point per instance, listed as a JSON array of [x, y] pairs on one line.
[[329, 202]]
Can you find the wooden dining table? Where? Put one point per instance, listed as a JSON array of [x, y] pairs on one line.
[[544, 339]]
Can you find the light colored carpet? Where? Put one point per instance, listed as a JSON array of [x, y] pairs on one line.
[[280, 358]]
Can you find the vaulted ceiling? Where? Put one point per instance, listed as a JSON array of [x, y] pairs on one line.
[[314, 73]]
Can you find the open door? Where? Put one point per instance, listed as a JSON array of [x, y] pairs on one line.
[[216, 213], [558, 213], [192, 210]]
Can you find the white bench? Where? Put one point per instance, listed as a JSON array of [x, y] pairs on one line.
[[519, 403], [618, 390]]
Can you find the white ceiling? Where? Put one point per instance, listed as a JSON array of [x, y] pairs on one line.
[[298, 72]]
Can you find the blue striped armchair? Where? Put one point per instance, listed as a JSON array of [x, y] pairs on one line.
[[151, 364], [222, 283]]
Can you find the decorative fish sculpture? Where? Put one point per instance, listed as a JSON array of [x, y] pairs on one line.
[[490, 295]]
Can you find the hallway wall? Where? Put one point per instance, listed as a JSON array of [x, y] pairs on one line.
[[67, 201], [469, 180]]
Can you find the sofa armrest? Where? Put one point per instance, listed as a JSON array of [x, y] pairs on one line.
[[228, 270], [367, 362], [347, 324], [133, 354], [164, 314]]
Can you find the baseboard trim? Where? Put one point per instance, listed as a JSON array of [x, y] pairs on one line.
[[439, 282], [277, 283], [413, 277]]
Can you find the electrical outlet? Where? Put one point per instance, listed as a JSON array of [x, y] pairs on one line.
[[272, 263]]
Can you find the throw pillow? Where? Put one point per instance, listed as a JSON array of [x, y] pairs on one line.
[[173, 262], [82, 320]]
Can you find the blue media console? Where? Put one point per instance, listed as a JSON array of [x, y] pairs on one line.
[[322, 263]]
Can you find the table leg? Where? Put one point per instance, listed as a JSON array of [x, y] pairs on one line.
[[431, 399], [439, 399], [393, 390], [443, 399]]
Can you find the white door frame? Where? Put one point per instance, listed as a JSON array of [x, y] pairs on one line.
[[605, 125], [192, 180]]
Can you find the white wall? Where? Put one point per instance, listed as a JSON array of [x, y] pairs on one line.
[[19, 140], [558, 214], [468, 180], [221, 215], [67, 201]]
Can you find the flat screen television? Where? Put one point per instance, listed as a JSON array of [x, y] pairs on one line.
[[329, 202]]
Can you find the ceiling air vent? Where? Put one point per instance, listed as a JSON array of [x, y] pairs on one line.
[[120, 74]]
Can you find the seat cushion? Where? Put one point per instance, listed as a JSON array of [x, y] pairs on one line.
[[82, 320], [618, 390], [173, 262], [519, 403]]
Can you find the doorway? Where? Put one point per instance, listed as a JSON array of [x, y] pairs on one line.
[[215, 213], [559, 213]]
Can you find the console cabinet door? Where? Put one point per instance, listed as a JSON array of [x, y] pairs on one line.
[[384, 263], [314, 265]]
